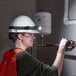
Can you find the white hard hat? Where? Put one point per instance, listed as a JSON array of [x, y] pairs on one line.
[[23, 24]]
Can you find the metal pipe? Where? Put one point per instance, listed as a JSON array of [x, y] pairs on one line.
[[47, 45]]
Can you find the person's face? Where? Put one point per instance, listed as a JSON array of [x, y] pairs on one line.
[[28, 40]]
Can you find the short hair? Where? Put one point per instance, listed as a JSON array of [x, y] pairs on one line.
[[13, 37]]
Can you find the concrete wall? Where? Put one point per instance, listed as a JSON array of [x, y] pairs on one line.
[[8, 10], [59, 30]]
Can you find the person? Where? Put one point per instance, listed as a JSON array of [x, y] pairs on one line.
[[18, 62]]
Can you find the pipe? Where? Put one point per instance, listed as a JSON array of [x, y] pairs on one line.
[[47, 45]]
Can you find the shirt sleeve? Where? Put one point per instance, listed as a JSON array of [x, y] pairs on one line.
[[30, 66], [45, 70]]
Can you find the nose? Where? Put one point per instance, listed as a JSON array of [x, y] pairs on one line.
[[33, 36]]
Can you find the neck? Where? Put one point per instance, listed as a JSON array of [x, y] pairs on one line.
[[19, 45]]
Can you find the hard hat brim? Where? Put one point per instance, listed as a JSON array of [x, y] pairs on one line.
[[23, 31]]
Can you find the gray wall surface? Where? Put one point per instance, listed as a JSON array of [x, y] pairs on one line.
[[59, 30]]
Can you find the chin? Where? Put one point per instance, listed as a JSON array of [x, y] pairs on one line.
[[31, 45]]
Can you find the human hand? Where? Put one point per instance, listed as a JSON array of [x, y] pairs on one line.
[[66, 45], [62, 44]]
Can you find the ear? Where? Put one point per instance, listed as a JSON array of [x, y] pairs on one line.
[[20, 36]]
